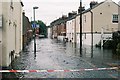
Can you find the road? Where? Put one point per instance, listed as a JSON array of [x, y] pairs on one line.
[[55, 55]]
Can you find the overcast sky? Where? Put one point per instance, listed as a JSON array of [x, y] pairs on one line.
[[50, 10]]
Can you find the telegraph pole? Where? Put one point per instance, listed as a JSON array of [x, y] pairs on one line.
[[91, 34], [80, 27]]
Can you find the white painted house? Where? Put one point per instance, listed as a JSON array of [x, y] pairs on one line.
[[98, 23], [11, 30]]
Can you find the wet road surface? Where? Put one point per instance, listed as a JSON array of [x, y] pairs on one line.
[[54, 55]]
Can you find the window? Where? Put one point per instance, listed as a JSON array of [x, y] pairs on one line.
[[115, 18]]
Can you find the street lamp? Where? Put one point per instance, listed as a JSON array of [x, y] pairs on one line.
[[34, 29], [80, 27]]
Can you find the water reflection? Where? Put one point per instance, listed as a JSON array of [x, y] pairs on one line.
[[92, 51], [98, 54], [34, 55]]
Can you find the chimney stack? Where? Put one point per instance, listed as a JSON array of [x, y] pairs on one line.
[[72, 13], [93, 3], [83, 8]]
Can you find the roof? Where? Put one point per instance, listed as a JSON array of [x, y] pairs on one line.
[[89, 9], [70, 18], [58, 21]]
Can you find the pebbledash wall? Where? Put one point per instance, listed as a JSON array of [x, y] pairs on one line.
[[11, 30]]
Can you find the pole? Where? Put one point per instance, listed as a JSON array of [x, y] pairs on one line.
[[91, 34], [80, 27], [34, 32]]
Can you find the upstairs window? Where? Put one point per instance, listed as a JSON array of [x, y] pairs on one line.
[[115, 18]]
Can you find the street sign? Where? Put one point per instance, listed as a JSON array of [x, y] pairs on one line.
[[34, 25]]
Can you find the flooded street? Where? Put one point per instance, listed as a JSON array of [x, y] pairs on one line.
[[54, 55]]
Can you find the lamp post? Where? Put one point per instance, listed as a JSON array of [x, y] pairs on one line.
[[34, 29], [80, 27]]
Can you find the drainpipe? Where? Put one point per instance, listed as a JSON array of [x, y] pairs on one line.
[[102, 32], [75, 31], [51, 30], [91, 33]]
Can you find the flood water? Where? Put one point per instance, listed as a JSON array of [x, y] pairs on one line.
[[56, 55]]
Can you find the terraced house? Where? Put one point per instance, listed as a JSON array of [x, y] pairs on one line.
[[26, 31], [58, 28], [98, 22], [10, 30]]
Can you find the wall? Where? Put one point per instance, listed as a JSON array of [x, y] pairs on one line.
[[49, 32], [0, 46], [78, 29], [0, 34], [86, 26], [103, 17], [96, 38], [26, 33], [61, 31], [18, 21], [60, 38], [86, 19], [55, 31], [11, 30], [69, 30], [6, 21]]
